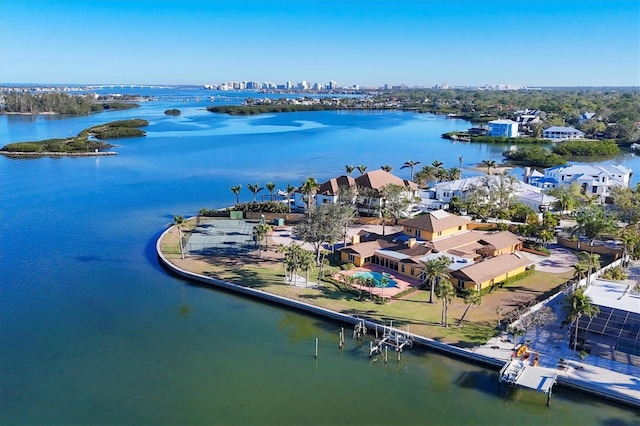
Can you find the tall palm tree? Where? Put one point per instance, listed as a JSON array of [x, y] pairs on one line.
[[387, 168], [290, 190], [490, 164], [270, 187], [307, 262], [309, 188], [454, 173], [410, 164], [178, 221], [362, 169], [349, 169], [236, 190], [446, 292], [254, 189], [434, 270], [437, 163], [593, 222], [472, 298], [260, 232], [460, 162], [577, 305]]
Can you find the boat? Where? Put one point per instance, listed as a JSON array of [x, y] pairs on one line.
[[521, 351], [536, 359]]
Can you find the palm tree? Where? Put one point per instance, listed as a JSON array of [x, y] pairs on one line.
[[254, 189], [178, 221], [307, 262], [460, 163], [446, 292], [309, 188], [579, 270], [349, 169], [236, 190], [435, 270], [290, 190], [410, 164], [260, 232], [387, 168], [472, 298], [362, 169], [490, 164], [454, 173], [270, 187], [593, 222], [577, 305], [437, 164]]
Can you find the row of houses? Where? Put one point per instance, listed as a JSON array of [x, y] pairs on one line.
[[511, 129], [479, 259]]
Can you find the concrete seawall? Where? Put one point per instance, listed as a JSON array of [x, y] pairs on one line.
[[487, 361]]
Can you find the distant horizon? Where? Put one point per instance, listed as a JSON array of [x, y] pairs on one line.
[[549, 43], [362, 87]]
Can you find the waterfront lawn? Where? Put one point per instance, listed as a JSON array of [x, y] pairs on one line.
[[412, 312]]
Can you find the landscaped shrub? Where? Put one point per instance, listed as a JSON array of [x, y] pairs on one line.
[[347, 266], [264, 207], [616, 274]]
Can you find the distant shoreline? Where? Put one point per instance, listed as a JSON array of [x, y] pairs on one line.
[[30, 113]]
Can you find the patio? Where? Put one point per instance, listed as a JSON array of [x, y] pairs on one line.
[[403, 283]]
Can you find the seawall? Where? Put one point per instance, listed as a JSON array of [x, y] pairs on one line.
[[487, 361]]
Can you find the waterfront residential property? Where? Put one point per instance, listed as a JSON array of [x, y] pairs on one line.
[[614, 333], [479, 259], [530, 195], [595, 181], [506, 128], [557, 133], [366, 191]]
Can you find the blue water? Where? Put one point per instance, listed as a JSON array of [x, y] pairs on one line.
[[94, 331], [377, 277]]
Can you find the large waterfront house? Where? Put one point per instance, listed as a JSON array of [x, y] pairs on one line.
[[479, 259], [441, 193], [557, 133], [366, 191], [503, 128], [594, 180]]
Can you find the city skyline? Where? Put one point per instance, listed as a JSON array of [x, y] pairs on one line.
[[365, 43]]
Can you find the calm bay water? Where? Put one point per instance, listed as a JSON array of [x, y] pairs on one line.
[[91, 331]]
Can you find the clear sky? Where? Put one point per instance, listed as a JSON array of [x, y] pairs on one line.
[[366, 42]]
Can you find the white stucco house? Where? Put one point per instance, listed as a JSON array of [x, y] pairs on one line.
[[557, 133], [530, 195], [594, 180]]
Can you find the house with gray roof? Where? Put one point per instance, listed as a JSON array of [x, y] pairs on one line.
[[558, 133], [595, 181]]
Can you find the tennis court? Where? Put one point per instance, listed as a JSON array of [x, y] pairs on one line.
[[221, 236]]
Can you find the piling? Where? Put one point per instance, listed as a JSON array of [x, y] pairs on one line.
[[316, 353], [386, 354]]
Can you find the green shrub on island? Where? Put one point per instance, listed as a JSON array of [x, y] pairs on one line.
[[534, 156], [262, 109], [172, 111], [82, 142], [59, 103], [587, 148], [57, 145]]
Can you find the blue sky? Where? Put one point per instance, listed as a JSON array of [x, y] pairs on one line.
[[368, 42]]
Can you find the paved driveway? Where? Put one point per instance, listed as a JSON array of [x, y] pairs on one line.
[[561, 260]]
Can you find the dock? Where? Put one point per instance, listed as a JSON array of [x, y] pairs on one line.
[[519, 373], [391, 338]]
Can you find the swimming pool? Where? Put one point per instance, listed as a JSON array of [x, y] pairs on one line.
[[377, 277]]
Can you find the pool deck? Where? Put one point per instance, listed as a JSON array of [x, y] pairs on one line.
[[403, 283]]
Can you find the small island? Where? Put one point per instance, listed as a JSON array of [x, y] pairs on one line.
[[58, 103], [172, 111], [89, 142]]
